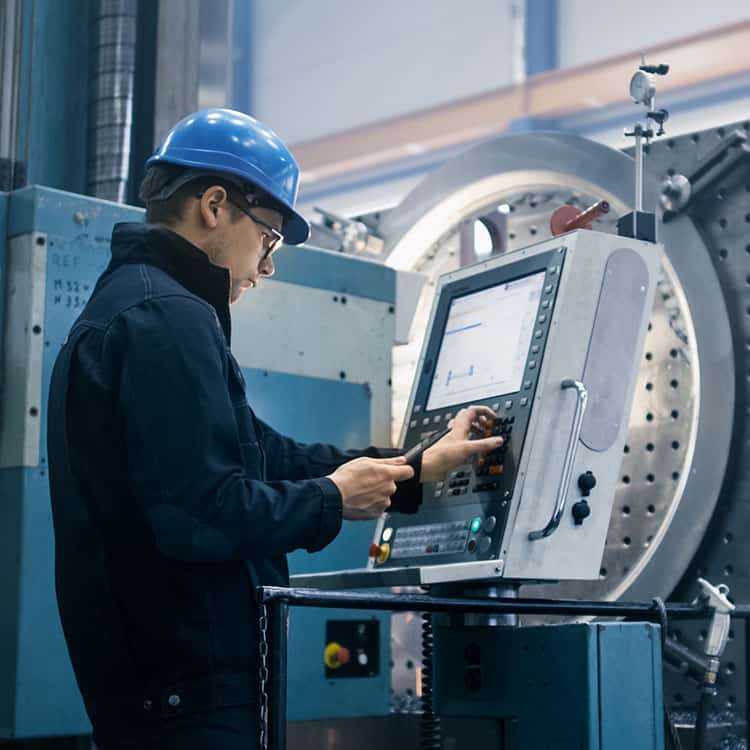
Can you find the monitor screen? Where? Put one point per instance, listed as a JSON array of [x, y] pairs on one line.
[[486, 342]]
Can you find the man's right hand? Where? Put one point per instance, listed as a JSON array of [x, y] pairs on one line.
[[366, 485]]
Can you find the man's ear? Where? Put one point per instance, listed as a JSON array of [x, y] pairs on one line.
[[212, 201]]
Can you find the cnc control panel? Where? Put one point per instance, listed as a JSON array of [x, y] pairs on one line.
[[550, 339], [486, 347]]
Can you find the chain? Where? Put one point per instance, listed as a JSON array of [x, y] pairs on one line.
[[263, 674]]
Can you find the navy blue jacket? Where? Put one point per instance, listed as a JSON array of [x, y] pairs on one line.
[[171, 500]]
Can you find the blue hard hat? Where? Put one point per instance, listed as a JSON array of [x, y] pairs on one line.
[[223, 141]]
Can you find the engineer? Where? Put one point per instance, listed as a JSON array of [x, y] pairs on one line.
[[171, 500]]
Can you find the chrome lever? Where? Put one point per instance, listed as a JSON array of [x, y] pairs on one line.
[[570, 455]]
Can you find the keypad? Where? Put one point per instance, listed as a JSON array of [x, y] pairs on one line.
[[430, 539]]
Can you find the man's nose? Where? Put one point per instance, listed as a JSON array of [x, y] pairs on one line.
[[267, 267]]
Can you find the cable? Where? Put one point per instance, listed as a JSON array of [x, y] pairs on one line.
[[430, 724]]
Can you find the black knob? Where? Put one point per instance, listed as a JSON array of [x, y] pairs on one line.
[[581, 510], [586, 483]]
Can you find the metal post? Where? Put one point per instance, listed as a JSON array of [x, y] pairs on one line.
[[278, 616], [638, 169]]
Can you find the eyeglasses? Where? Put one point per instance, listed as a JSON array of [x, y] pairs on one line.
[[271, 237]]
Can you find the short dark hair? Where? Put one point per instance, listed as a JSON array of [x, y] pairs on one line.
[[170, 210]]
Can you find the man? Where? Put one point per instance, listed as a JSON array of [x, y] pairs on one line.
[[171, 500]]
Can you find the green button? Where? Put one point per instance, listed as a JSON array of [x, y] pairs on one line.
[[476, 524]]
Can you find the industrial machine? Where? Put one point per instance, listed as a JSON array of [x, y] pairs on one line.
[[679, 509], [669, 505]]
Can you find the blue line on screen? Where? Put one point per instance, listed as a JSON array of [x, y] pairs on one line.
[[464, 328]]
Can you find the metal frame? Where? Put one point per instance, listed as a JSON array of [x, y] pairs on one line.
[[277, 601]]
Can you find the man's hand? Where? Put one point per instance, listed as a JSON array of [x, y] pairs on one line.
[[456, 448], [366, 485]]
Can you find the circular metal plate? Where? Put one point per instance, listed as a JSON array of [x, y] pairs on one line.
[[682, 413]]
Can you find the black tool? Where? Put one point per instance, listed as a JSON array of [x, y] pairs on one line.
[[415, 452]]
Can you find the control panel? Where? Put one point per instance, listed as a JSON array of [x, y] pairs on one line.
[[550, 339], [486, 346]]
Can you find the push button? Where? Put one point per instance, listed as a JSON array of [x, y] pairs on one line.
[[484, 545], [489, 524]]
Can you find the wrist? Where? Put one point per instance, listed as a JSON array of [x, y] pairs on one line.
[[430, 471]]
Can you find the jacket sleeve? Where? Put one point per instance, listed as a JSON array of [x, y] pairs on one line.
[[183, 448], [292, 460]]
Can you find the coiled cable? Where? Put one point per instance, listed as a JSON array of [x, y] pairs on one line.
[[430, 724]]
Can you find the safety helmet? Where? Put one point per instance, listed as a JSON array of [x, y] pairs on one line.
[[223, 141]]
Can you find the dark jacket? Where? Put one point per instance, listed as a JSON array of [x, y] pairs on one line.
[[171, 500]]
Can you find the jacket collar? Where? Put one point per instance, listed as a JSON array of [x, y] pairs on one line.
[[158, 246]]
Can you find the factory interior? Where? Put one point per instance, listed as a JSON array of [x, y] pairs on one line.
[[506, 243]]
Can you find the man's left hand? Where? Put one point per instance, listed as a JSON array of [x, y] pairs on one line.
[[456, 448]]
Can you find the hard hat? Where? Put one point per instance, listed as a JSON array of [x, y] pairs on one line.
[[224, 141]]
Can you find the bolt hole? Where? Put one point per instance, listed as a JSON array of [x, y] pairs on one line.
[[649, 386], [40, 240], [728, 537], [649, 356], [532, 231], [731, 700], [651, 325], [649, 417], [625, 510], [673, 353], [602, 573], [723, 253], [723, 223], [626, 541], [728, 570], [650, 478], [650, 447], [626, 480], [342, 375], [703, 635], [674, 414], [33, 411], [626, 449], [37, 330], [675, 475], [695, 137], [675, 445], [651, 509], [674, 383]]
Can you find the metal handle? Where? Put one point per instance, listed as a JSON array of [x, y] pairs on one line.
[[570, 455]]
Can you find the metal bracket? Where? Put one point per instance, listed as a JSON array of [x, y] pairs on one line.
[[570, 455], [679, 191], [23, 342]]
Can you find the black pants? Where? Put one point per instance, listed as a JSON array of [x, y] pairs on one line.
[[234, 728]]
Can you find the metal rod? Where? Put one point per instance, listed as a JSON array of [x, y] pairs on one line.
[[585, 218], [278, 615], [638, 173], [420, 603]]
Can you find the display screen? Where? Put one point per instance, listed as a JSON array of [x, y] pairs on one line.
[[486, 342]]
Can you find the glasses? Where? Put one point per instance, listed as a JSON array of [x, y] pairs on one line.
[[271, 237]]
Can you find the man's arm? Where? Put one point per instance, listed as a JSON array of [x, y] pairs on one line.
[[183, 450], [292, 460]]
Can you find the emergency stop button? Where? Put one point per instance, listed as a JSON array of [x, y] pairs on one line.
[[336, 655], [381, 552]]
